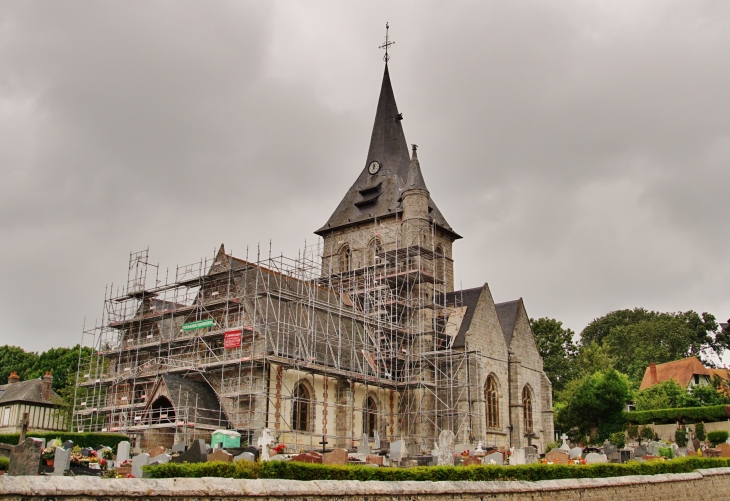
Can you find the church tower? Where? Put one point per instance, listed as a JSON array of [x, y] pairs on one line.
[[389, 206]]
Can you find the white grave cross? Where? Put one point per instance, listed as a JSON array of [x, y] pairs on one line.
[[264, 441], [565, 445]]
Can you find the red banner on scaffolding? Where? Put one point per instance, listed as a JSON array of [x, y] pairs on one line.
[[232, 339]]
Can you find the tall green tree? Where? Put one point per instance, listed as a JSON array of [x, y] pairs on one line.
[[15, 359], [592, 358], [557, 349]]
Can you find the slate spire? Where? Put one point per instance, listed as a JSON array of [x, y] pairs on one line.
[[414, 180]]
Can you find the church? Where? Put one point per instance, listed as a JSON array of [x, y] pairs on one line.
[[360, 337]]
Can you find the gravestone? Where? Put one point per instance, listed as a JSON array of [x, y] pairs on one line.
[[652, 448], [179, 448], [364, 447], [724, 450], [518, 457], [195, 454], [640, 451], [397, 450], [372, 459], [609, 448], [446, 448], [495, 457], [245, 456], [376, 436], [220, 455], [61, 461], [530, 449], [138, 462], [122, 452], [564, 446], [68, 444], [575, 452], [279, 457], [558, 456], [252, 450], [337, 456], [614, 457], [532, 458], [156, 451], [626, 455], [471, 461], [86, 452], [308, 457], [681, 452], [264, 441], [161, 459], [593, 458], [696, 444], [479, 452], [26, 458]]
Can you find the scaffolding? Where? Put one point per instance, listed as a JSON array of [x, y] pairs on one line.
[[378, 317]]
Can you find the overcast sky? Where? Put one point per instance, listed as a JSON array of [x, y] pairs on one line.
[[581, 148]]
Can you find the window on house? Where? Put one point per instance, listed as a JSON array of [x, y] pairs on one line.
[[345, 258], [527, 409], [300, 408], [6, 416], [375, 247], [697, 379], [492, 399]]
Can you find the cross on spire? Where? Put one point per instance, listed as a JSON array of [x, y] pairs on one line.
[[387, 44]]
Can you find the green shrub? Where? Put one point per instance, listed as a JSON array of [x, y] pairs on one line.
[[93, 440], [646, 432], [686, 415], [632, 430], [680, 436], [700, 432], [717, 437], [552, 445], [667, 452], [293, 470], [618, 439], [4, 463]]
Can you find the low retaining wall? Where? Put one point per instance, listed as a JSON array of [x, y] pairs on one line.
[[713, 484]]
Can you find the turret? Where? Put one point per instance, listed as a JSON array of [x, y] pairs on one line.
[[415, 194]]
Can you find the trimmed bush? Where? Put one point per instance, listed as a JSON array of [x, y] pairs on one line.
[[717, 437], [93, 440], [618, 439], [646, 432], [293, 470], [686, 415], [4, 463], [700, 432], [680, 436]]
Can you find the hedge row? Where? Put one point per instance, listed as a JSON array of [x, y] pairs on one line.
[[93, 440], [292, 470], [707, 414]]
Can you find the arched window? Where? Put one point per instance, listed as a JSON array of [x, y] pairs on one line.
[[345, 258], [370, 417], [527, 409], [162, 411], [491, 397], [375, 247], [300, 408], [439, 262]]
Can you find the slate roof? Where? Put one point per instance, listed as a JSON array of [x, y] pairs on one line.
[[183, 392], [507, 314], [468, 298], [26, 391], [378, 196], [679, 370]]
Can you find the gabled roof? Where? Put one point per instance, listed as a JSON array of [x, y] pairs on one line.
[[681, 371], [468, 298], [507, 314], [26, 391], [378, 195], [185, 392]]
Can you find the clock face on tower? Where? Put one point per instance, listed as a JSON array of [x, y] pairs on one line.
[[374, 167]]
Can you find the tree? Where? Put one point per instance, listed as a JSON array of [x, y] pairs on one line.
[[600, 327], [62, 363], [599, 399], [664, 395], [15, 359], [557, 349], [593, 357]]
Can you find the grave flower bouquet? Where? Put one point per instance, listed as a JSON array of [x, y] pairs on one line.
[[279, 448], [107, 454], [48, 453]]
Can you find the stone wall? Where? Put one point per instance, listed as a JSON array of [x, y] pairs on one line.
[[700, 485]]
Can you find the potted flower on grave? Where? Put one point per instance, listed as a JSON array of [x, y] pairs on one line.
[[94, 461], [48, 454]]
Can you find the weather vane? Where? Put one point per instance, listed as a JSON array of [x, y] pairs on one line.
[[387, 44]]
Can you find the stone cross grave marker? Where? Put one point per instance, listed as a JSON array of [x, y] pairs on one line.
[[564, 445], [446, 448], [138, 462], [376, 435], [609, 448], [26, 458], [265, 440], [122, 452], [61, 461], [640, 451], [24, 422]]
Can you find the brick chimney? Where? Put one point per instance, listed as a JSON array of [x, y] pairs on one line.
[[46, 386], [13, 378], [652, 372]]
